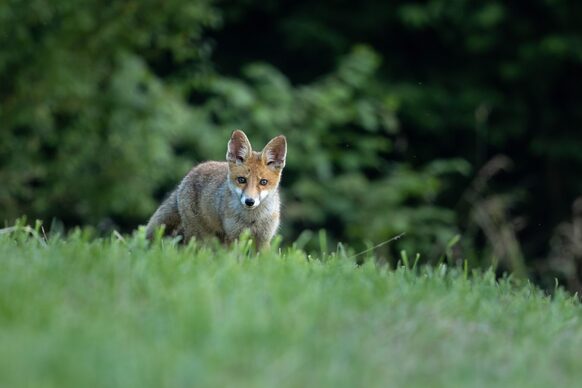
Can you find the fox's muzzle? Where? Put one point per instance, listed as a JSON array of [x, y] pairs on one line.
[[249, 202]]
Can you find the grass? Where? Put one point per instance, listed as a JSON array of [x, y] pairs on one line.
[[77, 312]]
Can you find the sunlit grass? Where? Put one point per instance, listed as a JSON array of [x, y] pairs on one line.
[[80, 312]]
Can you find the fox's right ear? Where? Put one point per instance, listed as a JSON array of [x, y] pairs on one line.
[[239, 147]]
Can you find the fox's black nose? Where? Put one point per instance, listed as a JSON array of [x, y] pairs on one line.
[[249, 202]]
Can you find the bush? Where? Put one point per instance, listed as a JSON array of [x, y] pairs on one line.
[[87, 127]]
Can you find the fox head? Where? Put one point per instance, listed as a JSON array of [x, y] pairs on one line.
[[253, 176]]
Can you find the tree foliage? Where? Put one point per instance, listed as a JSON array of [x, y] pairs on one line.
[[87, 125]]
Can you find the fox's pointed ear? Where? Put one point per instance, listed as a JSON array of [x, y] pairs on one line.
[[275, 152], [239, 147]]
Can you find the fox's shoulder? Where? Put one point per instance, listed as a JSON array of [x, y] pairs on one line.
[[209, 174], [210, 168]]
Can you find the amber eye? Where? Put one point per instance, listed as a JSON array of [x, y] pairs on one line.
[[263, 182], [241, 179]]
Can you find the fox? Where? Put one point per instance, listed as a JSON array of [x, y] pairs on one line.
[[222, 199]]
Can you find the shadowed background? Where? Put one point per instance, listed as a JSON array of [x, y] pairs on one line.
[[455, 122]]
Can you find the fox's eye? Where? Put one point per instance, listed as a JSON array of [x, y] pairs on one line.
[[241, 179], [263, 182]]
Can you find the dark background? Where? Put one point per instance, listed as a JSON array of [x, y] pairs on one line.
[[457, 123]]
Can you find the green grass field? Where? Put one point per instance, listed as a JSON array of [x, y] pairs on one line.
[[109, 313]]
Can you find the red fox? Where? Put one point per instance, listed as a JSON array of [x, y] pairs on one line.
[[221, 199]]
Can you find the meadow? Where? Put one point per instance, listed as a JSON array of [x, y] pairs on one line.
[[79, 311]]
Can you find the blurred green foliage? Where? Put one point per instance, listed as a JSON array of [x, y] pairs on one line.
[[87, 127], [394, 112]]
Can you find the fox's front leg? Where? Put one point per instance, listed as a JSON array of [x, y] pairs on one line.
[[262, 238], [231, 236], [228, 239], [262, 245], [264, 232], [224, 239]]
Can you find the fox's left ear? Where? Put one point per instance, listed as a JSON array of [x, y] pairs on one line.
[[239, 147], [275, 152]]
